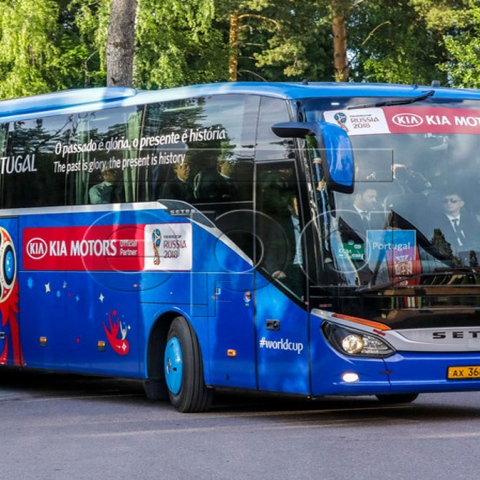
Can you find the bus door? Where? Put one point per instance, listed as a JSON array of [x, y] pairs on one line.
[[231, 287], [10, 252], [281, 319]]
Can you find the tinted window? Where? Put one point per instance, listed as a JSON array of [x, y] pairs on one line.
[[134, 154], [30, 171], [269, 146]]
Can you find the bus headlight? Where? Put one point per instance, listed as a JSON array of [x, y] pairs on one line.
[[355, 343]]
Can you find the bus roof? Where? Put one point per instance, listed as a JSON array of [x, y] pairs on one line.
[[80, 100]]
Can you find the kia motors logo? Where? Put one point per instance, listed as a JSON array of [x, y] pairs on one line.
[[36, 248], [407, 120]]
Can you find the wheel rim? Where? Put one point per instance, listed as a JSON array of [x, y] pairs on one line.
[[173, 365]]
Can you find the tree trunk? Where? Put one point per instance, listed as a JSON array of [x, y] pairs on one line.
[[339, 30], [233, 42], [120, 43]]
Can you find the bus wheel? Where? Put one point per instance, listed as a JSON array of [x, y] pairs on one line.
[[398, 398], [183, 368]]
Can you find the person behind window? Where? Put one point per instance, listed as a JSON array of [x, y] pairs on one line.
[[107, 191], [227, 167], [209, 184], [354, 225], [460, 229], [293, 275], [279, 229], [181, 187], [407, 180], [359, 217]]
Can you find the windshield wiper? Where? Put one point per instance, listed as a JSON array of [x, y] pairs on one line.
[[391, 103], [444, 272]]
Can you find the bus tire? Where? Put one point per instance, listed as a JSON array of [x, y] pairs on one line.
[[397, 398], [183, 366]]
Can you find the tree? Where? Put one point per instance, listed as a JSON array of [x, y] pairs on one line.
[[457, 21], [178, 44], [39, 49], [120, 43], [277, 40], [91, 19], [463, 67], [340, 11], [48, 45], [390, 42]]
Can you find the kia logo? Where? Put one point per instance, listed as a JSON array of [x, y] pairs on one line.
[[36, 248], [407, 120]]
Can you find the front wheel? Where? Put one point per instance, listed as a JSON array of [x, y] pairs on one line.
[[397, 398], [183, 366]]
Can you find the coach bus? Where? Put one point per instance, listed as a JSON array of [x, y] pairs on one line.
[[303, 239]]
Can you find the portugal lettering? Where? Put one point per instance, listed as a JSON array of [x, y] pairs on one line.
[[17, 164]]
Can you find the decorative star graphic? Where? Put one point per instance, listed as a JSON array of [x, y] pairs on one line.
[[47, 287], [101, 297]]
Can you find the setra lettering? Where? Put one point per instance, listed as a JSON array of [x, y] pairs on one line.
[[456, 334]]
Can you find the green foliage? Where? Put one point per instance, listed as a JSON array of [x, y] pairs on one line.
[[178, 44], [48, 45], [27, 53], [392, 43], [90, 18], [443, 15], [463, 67], [281, 39], [41, 48], [459, 23]]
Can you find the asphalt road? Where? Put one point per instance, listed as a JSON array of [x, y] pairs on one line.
[[69, 427]]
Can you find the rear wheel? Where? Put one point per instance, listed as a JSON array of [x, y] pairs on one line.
[[397, 398], [183, 368]]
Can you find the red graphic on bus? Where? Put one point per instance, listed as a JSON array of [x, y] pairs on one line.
[[120, 345], [9, 298]]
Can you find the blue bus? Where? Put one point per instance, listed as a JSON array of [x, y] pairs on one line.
[[303, 239]]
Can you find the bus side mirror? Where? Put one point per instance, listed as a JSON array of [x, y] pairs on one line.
[[333, 146]]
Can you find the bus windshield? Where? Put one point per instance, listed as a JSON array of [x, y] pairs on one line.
[[414, 214]]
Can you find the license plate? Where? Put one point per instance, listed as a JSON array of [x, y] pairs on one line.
[[463, 373]]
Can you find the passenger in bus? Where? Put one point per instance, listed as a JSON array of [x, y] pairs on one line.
[[354, 224], [407, 180], [108, 190], [227, 167], [459, 228], [293, 275], [180, 187], [209, 184], [359, 217], [280, 232]]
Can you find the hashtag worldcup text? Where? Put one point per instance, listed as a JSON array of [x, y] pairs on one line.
[[282, 344]]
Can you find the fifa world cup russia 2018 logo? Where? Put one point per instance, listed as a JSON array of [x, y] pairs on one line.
[[9, 298], [156, 241], [341, 119]]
